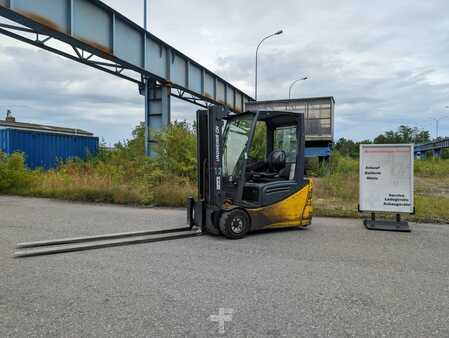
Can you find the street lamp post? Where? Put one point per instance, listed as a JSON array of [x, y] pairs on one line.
[[257, 59], [437, 123], [293, 83]]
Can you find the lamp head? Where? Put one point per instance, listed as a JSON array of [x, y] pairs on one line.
[[279, 32]]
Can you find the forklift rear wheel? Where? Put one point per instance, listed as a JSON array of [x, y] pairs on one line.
[[234, 224]]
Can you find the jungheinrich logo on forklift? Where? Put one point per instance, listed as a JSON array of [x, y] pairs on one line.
[[217, 158], [217, 144]]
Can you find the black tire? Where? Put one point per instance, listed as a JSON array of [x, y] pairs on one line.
[[234, 224]]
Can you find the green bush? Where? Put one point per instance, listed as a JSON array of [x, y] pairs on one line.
[[340, 164], [176, 149], [337, 164], [312, 167], [445, 154], [14, 177]]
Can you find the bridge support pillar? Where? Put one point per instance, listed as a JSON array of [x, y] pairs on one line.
[[157, 113], [437, 153]]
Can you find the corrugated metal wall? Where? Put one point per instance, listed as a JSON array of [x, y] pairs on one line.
[[44, 150]]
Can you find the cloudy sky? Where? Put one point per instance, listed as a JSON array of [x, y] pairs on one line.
[[385, 62]]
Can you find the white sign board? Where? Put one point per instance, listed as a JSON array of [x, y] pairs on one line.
[[386, 178]]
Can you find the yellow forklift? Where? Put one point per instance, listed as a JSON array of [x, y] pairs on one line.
[[241, 189], [250, 177]]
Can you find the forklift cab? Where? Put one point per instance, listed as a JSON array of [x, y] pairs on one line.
[[263, 157], [251, 172]]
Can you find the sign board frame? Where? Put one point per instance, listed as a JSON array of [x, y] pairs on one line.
[[376, 171]]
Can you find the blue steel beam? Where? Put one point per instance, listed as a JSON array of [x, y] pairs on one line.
[[435, 145], [92, 26]]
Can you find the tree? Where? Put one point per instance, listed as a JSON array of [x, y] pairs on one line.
[[404, 134], [348, 147], [176, 149], [422, 137]]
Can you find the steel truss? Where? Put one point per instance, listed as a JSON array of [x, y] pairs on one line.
[[41, 39]]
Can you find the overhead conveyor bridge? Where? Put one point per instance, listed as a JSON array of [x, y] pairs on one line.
[[436, 147], [96, 35]]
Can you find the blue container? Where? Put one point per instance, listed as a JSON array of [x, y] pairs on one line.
[[45, 150]]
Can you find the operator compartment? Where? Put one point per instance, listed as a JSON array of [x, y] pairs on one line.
[[263, 153]]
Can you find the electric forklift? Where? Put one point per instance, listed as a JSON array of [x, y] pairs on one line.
[[238, 193], [250, 177]]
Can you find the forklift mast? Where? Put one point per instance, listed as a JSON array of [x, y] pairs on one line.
[[210, 144]]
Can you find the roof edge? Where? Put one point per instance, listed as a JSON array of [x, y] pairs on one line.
[[44, 128], [305, 99]]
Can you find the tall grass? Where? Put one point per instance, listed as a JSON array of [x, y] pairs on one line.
[[432, 168], [337, 189], [339, 178], [122, 175], [125, 176]]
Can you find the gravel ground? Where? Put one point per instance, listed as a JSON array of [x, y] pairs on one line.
[[333, 279]]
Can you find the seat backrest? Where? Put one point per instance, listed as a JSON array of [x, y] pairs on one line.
[[277, 160]]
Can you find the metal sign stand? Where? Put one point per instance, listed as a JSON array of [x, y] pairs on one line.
[[384, 225], [386, 184]]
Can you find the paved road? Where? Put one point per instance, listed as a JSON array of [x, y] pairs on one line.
[[333, 279]]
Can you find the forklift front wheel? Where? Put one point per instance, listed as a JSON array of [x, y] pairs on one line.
[[234, 224]]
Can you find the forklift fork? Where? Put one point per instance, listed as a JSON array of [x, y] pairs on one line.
[[52, 247]]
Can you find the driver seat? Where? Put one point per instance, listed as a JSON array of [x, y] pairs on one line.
[[276, 160], [276, 168]]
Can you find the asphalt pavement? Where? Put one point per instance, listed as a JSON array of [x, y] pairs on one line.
[[333, 279]]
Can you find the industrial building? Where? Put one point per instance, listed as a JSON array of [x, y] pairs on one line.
[[45, 146], [319, 120]]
